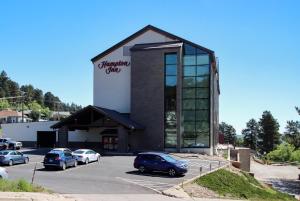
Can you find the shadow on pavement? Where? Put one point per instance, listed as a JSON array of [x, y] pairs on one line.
[[38, 152], [152, 174], [286, 185]]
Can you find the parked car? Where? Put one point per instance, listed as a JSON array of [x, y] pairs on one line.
[[61, 149], [8, 143], [3, 173], [86, 155], [161, 162], [11, 157], [60, 158]]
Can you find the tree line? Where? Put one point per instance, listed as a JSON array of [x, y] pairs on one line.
[[263, 135], [31, 95]]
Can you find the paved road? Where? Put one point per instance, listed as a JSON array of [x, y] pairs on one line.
[[284, 178], [113, 175]]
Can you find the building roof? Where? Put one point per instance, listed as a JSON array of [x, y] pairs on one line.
[[10, 113], [143, 30], [153, 46], [120, 118]]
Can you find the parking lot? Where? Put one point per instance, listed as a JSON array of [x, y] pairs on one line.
[[113, 174]]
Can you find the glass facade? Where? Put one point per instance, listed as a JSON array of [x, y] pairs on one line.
[[170, 100], [195, 98]]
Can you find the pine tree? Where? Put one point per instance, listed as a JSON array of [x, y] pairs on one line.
[[292, 133], [250, 134], [229, 133], [269, 136]]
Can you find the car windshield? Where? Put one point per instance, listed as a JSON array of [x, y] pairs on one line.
[[4, 152], [78, 152], [169, 158]]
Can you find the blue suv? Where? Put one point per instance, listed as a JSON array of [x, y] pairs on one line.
[[152, 161], [60, 159]]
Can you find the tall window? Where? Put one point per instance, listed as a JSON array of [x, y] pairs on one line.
[[195, 98], [170, 100]]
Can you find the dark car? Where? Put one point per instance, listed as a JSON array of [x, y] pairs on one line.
[[59, 159], [11, 157], [161, 162]]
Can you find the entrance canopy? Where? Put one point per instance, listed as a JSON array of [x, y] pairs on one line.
[[93, 116]]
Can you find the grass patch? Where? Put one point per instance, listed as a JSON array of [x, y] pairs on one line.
[[19, 186], [244, 186]]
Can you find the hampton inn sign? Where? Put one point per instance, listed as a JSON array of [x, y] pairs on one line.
[[113, 66]]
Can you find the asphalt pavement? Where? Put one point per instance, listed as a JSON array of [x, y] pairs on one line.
[[112, 175]]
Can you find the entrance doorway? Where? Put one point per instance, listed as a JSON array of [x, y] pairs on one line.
[[110, 143], [46, 138]]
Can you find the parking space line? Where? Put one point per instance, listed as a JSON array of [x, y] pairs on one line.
[[153, 185]]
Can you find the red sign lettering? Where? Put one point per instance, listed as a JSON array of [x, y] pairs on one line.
[[113, 66]]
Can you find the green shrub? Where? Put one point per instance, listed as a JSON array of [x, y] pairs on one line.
[[296, 156], [283, 153]]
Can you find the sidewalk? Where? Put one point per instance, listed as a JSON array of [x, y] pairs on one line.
[[15, 196]]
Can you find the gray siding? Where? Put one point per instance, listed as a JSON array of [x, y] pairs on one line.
[[147, 97]]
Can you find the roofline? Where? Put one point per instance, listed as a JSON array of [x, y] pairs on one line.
[[140, 32], [56, 125]]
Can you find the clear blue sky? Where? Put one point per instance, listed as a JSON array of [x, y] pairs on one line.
[[50, 43]]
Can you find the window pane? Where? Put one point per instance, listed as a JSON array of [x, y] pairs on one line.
[[171, 80], [202, 59], [202, 92], [202, 126], [188, 142], [198, 51], [171, 58], [188, 49], [189, 104], [188, 115], [202, 139], [202, 115], [189, 71], [189, 60], [189, 82], [170, 139], [188, 93], [202, 104], [171, 70], [170, 117], [202, 70], [203, 81], [189, 126]]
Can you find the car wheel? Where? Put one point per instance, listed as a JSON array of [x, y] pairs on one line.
[[10, 163], [64, 166], [86, 161], [26, 160], [142, 169], [98, 159], [172, 172]]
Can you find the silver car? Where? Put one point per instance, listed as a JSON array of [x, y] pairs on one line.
[[3, 173], [11, 157], [86, 155]]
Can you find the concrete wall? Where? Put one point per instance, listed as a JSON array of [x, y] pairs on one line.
[[112, 90], [25, 131]]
